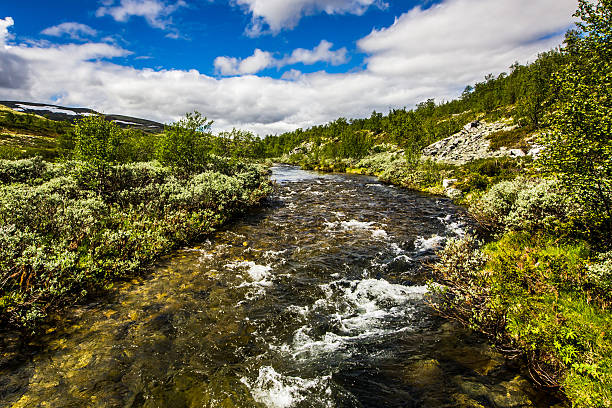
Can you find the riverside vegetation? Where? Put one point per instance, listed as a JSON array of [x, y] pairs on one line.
[[536, 275], [71, 228]]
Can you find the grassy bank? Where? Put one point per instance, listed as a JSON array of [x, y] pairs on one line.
[[537, 282]]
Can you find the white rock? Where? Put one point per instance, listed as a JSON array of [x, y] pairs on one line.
[[446, 183], [535, 151]]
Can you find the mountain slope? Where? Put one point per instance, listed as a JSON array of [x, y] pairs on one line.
[[65, 114]]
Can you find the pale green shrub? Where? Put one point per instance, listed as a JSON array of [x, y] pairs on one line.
[[493, 207], [31, 170], [600, 274], [458, 288], [381, 162], [522, 204], [60, 236], [540, 204]]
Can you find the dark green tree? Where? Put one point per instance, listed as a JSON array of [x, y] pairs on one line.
[[579, 147], [186, 144], [96, 144]]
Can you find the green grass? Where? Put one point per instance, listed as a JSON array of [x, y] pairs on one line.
[[19, 146], [513, 139]]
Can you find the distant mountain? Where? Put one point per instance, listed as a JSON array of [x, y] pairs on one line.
[[62, 113]]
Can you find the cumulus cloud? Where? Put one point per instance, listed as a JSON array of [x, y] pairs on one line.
[[280, 14], [459, 38], [155, 12], [76, 31], [425, 53], [261, 60], [5, 23], [321, 53]]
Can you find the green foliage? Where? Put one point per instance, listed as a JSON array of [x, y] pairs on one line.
[[524, 204], [579, 147], [185, 145], [237, 144], [29, 171], [457, 290], [537, 91], [600, 275], [534, 296], [32, 124], [97, 141], [477, 176], [23, 135], [60, 238], [137, 146]]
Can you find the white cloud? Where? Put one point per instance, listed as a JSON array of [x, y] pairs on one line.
[[425, 53], [4, 25], [72, 30], [155, 12], [261, 60], [280, 14], [457, 39], [321, 53]]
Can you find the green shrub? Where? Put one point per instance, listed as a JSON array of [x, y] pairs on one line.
[[600, 276], [22, 171], [514, 139], [579, 147], [60, 237], [536, 297], [458, 290], [523, 204], [185, 145], [97, 141]]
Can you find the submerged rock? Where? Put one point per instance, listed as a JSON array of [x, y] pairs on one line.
[[508, 394], [423, 373]]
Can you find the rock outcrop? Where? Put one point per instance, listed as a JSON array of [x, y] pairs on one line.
[[470, 144]]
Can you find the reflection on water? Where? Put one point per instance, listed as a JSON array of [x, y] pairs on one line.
[[316, 300]]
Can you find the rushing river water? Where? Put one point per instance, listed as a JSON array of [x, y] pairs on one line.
[[315, 300]]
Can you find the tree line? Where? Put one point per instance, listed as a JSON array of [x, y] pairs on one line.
[[526, 93]]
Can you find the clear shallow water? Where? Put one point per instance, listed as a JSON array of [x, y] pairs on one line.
[[316, 300]]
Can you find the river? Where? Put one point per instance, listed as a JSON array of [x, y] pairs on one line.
[[318, 299]]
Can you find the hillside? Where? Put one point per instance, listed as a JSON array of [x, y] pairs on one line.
[[34, 129], [65, 114]]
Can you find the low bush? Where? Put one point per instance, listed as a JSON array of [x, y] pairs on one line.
[[523, 204], [514, 139], [60, 237], [24, 170]]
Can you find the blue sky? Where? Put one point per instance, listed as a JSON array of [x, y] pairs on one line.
[[264, 65], [205, 30]]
